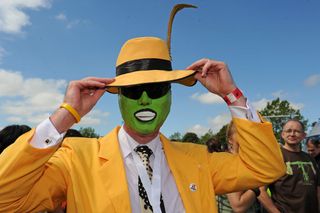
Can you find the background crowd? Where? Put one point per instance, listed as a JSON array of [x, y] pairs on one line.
[[297, 191]]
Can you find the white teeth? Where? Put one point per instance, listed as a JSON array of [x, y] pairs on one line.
[[145, 115]]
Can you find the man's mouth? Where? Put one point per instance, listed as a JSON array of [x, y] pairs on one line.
[[145, 115]]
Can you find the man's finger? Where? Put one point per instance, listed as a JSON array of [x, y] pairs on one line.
[[197, 64]]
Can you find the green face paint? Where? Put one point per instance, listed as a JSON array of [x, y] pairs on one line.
[[145, 115]]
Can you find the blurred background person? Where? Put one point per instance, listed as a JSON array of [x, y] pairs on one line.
[[313, 148], [243, 201], [10, 133], [298, 191], [214, 145], [73, 133]]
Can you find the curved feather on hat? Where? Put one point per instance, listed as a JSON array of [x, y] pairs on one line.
[[173, 13], [146, 60]]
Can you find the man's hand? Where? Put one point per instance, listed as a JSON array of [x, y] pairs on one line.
[[82, 95], [216, 77], [266, 201]]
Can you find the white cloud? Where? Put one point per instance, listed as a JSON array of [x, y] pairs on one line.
[[198, 129], [279, 94], [69, 23], [297, 106], [32, 86], [312, 80], [215, 124], [16, 108], [45, 100], [10, 83], [259, 105], [36, 118], [94, 118], [219, 121], [61, 17], [28, 100], [207, 98], [31, 100], [73, 23], [14, 119], [12, 16]]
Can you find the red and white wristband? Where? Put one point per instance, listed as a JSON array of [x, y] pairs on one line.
[[233, 96]]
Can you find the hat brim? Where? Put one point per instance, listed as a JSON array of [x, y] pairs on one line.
[[184, 77]]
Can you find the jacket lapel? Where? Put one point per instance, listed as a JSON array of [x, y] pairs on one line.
[[112, 171], [185, 171], [184, 168]]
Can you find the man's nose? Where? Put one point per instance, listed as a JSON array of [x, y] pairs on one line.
[[144, 99]]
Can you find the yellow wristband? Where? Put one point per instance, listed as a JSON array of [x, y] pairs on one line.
[[72, 111]]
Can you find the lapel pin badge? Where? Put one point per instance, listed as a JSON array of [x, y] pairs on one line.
[[193, 187]]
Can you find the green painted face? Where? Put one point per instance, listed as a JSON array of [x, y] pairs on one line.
[[145, 115]]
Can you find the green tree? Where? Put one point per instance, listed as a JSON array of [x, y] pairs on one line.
[[88, 132], [191, 137], [279, 111], [221, 135], [204, 138], [176, 136]]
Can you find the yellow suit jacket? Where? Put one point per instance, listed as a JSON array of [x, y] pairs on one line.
[[90, 173]]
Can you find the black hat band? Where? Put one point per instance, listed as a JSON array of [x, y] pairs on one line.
[[143, 64]]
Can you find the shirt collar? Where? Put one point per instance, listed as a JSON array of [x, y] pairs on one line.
[[126, 142]]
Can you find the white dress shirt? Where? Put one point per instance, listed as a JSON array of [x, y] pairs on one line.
[[170, 194]]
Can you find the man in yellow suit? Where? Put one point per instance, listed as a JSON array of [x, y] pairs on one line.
[[135, 168]]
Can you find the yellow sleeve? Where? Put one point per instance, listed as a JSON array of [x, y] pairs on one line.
[[258, 163], [29, 182]]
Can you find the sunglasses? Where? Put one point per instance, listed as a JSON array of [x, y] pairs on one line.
[[154, 91]]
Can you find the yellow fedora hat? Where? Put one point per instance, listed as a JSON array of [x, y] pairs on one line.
[[145, 60]]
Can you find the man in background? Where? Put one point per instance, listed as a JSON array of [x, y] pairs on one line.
[[313, 148], [297, 191]]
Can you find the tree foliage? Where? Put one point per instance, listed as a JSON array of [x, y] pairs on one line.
[[191, 137], [279, 111], [88, 132], [221, 135], [176, 136], [208, 135]]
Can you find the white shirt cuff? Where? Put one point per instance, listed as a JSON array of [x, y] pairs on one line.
[[247, 112], [46, 135]]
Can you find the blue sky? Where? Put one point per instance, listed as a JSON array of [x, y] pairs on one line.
[[271, 47]]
